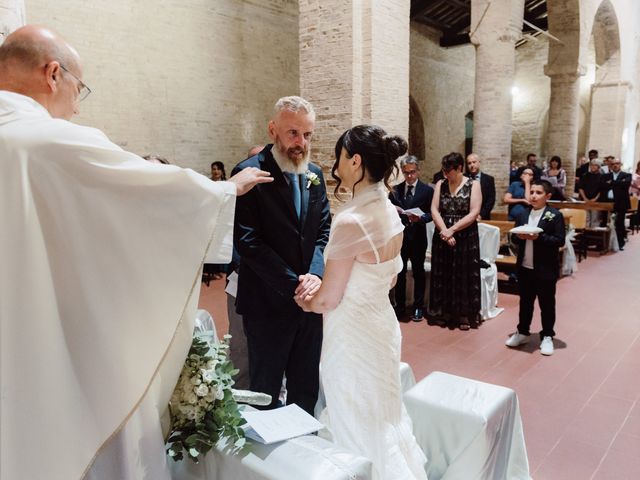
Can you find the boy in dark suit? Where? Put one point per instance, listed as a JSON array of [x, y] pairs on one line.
[[409, 194], [538, 266]]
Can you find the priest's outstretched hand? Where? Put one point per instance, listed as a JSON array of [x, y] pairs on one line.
[[248, 178]]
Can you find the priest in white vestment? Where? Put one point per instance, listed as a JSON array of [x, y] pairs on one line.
[[100, 257]]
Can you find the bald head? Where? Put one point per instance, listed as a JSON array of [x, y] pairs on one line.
[[37, 62]]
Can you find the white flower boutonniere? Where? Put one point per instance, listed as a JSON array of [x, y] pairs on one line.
[[312, 178], [548, 216]]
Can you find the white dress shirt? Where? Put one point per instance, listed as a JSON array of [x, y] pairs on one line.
[[534, 219]]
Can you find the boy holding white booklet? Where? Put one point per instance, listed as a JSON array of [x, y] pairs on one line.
[[540, 233]]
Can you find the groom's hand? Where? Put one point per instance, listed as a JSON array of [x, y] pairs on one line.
[[309, 285]]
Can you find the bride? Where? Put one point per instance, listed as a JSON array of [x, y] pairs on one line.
[[361, 346]]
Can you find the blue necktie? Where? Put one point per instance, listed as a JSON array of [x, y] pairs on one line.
[[294, 182]]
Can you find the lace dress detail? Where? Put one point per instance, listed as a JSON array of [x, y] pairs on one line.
[[360, 373], [454, 295]]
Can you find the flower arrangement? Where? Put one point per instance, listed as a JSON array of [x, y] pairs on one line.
[[203, 410], [548, 216], [312, 178]]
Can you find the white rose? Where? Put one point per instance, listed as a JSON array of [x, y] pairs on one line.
[[196, 380], [219, 392], [208, 375], [191, 398], [201, 390]]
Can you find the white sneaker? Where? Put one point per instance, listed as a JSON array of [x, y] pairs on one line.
[[516, 339], [546, 346]]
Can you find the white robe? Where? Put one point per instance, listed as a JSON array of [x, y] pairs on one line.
[[100, 257]]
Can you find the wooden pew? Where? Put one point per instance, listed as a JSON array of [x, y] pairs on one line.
[[505, 226]]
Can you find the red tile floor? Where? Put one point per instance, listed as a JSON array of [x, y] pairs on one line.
[[580, 407]]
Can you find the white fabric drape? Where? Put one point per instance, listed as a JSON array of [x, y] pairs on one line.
[[101, 254], [489, 247], [468, 429]]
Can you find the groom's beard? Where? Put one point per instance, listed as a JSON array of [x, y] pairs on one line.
[[294, 159]]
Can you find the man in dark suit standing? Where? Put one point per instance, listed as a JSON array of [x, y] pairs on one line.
[[412, 193], [532, 160], [538, 265], [487, 185], [280, 234], [615, 186]]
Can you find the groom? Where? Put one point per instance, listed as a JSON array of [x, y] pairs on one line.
[[280, 234]]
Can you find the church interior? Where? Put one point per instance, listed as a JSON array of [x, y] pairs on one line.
[[194, 81]]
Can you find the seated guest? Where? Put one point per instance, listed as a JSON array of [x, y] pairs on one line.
[[410, 194], [604, 168], [487, 186], [615, 187], [589, 191], [216, 270], [556, 176], [438, 176], [634, 191], [634, 188], [516, 196], [513, 172], [157, 159], [531, 164], [217, 172], [538, 267]]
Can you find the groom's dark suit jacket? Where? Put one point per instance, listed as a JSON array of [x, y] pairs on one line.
[[545, 248], [274, 246]]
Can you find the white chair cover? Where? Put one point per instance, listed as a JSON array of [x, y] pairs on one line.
[[489, 246], [614, 246], [569, 263], [205, 327], [309, 457], [468, 429]]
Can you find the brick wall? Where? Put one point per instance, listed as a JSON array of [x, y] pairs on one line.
[[193, 81], [354, 61], [530, 100], [442, 85]]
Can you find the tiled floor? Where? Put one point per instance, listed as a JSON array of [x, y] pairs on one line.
[[581, 407]]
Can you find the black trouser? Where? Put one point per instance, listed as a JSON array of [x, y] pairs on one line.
[[621, 232], [285, 345], [415, 251], [545, 289]]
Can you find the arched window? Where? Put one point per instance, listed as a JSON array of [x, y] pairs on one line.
[[416, 130], [468, 133]]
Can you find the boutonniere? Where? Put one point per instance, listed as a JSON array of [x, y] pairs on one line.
[[548, 216], [312, 178]]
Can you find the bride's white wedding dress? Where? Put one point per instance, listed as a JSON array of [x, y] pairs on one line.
[[360, 363]]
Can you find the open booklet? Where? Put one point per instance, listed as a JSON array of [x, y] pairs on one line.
[[411, 211], [270, 426]]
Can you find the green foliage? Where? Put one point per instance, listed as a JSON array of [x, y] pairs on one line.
[[203, 410]]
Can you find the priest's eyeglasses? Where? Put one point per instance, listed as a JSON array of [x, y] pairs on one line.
[[84, 90]]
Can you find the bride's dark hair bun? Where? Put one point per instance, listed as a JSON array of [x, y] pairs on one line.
[[378, 151], [395, 146]]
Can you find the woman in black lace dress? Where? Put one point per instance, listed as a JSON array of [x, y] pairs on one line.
[[454, 298]]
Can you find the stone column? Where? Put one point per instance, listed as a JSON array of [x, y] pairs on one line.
[[11, 16], [564, 68], [354, 67], [608, 101], [496, 25], [563, 126]]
